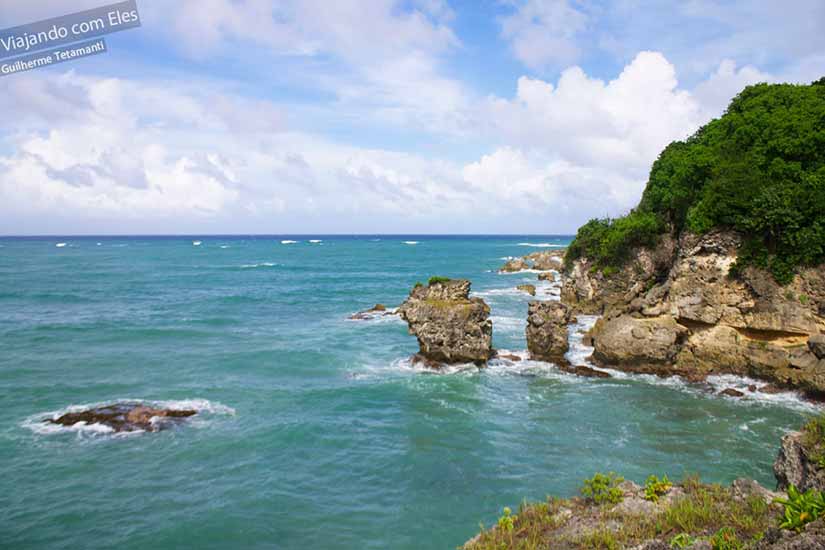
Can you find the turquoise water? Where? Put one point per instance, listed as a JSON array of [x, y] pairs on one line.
[[315, 432]]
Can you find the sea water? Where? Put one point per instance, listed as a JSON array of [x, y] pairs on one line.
[[314, 431]]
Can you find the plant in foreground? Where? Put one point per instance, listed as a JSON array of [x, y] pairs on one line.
[[655, 487], [726, 539], [507, 521], [603, 488], [801, 508], [682, 540]]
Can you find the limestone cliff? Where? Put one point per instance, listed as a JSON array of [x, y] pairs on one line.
[[676, 309]]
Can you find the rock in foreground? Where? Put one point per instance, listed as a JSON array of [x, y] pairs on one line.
[[125, 417], [450, 326]]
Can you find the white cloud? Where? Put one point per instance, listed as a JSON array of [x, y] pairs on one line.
[[544, 33]]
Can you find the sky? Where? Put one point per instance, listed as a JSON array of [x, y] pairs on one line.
[[377, 116]]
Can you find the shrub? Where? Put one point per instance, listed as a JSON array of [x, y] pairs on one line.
[[801, 508], [814, 439], [506, 521], [655, 487], [436, 279], [603, 488]]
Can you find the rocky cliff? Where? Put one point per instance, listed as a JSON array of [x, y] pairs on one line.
[[450, 326], [676, 309]]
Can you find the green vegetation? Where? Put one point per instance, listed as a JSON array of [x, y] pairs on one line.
[[436, 279], [655, 487], [814, 439], [603, 488], [418, 284], [801, 508], [758, 170], [700, 511], [726, 539]]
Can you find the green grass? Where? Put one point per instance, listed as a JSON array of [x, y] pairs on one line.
[[435, 279], [702, 511]]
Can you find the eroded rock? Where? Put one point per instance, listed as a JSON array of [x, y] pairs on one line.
[[125, 417], [547, 330], [529, 289], [450, 326]]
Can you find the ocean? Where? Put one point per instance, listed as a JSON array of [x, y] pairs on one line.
[[314, 431]]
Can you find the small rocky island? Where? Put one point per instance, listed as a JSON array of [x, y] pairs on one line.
[[450, 326], [125, 417]]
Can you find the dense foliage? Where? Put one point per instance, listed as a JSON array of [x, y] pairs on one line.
[[758, 170]]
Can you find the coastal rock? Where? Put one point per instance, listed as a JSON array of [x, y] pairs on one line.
[[375, 311], [730, 392], [816, 343], [812, 537], [637, 342], [793, 465], [547, 276], [450, 326], [125, 417], [546, 260], [748, 325], [547, 330], [516, 264], [529, 289]]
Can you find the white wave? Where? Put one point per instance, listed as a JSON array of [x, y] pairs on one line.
[[508, 324], [99, 244], [37, 425], [509, 291], [262, 264], [315, 241], [529, 270], [410, 242], [224, 246], [60, 245], [196, 243], [288, 242], [543, 245]]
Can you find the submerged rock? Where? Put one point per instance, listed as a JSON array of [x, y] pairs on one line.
[[376, 310], [450, 326], [529, 289], [547, 330], [125, 417], [731, 392]]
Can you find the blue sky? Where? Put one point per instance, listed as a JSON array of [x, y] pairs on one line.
[[377, 116]]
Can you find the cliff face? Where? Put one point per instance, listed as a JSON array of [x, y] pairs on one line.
[[676, 310], [450, 326]]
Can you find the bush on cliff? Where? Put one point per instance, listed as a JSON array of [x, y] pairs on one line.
[[758, 170]]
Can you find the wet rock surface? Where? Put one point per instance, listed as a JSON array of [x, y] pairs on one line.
[[450, 326], [125, 417]]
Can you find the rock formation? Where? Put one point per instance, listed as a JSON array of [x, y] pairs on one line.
[[547, 330], [378, 310], [542, 261], [529, 289], [125, 417], [795, 465], [450, 326], [677, 310]]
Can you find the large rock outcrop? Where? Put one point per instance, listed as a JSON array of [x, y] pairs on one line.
[[688, 315], [795, 465], [547, 330], [450, 326]]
